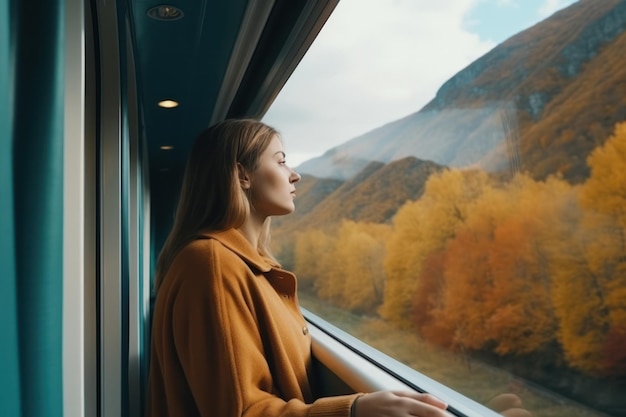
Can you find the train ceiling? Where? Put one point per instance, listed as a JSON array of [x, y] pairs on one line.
[[216, 59]]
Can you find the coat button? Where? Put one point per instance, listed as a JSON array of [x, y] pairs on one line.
[[305, 330]]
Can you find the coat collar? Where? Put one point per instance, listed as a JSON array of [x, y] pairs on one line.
[[234, 240]]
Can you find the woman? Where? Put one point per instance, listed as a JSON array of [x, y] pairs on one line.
[[228, 338]]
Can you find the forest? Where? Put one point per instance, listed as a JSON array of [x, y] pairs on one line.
[[478, 263]]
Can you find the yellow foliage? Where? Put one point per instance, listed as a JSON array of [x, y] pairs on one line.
[[312, 250], [361, 247], [590, 274], [346, 268], [476, 264], [496, 285], [605, 190], [422, 227]]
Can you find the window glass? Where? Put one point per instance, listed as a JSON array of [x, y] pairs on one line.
[[463, 197]]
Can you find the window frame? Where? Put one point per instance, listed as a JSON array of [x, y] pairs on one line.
[[363, 368]]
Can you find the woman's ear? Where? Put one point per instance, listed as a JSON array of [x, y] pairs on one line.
[[244, 178]]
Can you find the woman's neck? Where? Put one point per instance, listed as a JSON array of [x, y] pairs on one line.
[[251, 229]]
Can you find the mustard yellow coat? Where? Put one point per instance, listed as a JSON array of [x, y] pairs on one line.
[[229, 340]]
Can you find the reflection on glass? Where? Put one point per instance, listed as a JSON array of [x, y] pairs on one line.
[[485, 235]]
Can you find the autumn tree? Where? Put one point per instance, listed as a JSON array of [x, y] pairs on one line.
[[466, 283], [590, 294], [579, 304], [521, 316], [312, 249], [495, 290], [330, 281], [468, 275], [427, 301], [345, 268], [422, 227], [361, 247], [614, 362]]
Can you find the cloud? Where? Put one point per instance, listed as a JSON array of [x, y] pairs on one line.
[[370, 65], [551, 6]]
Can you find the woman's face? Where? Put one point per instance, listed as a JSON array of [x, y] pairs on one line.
[[272, 184]]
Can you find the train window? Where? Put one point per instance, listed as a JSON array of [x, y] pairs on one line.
[[462, 206]]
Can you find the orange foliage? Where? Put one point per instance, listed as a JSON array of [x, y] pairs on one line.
[[495, 290], [427, 299], [615, 352], [507, 267], [468, 282], [422, 227]]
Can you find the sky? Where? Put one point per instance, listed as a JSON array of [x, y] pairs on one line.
[[376, 61]]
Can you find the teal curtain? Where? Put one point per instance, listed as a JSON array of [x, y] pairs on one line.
[[9, 348], [34, 179]]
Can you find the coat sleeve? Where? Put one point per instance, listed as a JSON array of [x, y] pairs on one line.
[[220, 349]]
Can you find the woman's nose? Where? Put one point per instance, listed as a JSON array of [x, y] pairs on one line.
[[295, 177]]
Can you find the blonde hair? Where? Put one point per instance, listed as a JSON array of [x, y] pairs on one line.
[[211, 197]]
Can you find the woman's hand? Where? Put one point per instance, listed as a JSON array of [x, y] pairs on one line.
[[509, 405], [399, 404]]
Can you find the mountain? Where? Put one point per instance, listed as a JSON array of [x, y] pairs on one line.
[[373, 195], [539, 102], [310, 191]]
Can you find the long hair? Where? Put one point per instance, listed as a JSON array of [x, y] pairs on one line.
[[211, 197]]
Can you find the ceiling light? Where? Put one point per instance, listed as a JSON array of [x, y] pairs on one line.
[[165, 12], [168, 104], [166, 147]]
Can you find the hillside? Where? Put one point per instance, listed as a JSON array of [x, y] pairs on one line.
[[539, 102], [373, 195], [310, 191]]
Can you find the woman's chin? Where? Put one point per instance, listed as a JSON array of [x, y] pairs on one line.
[[287, 210]]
